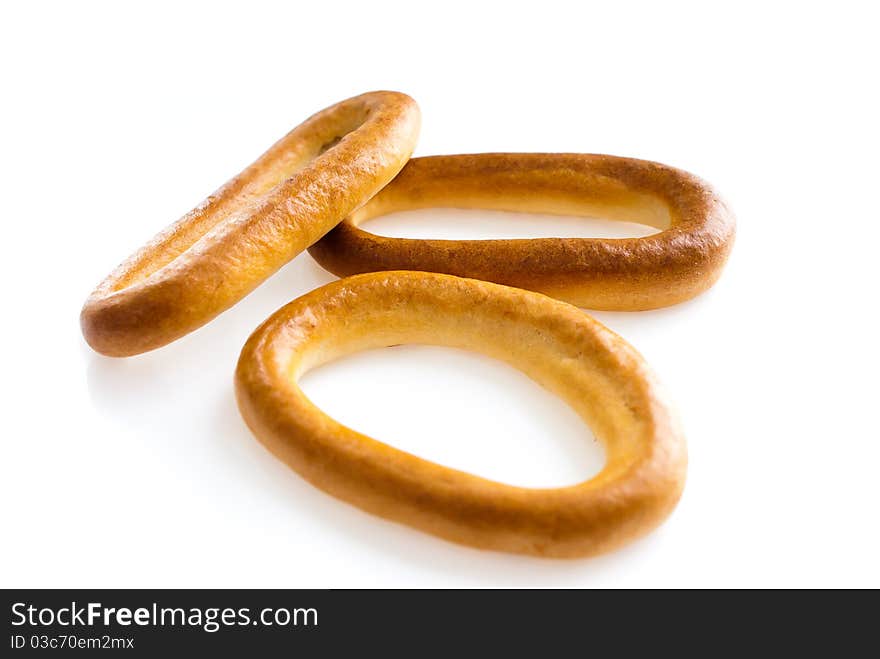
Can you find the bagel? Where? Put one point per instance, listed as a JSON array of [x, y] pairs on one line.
[[594, 370], [684, 259], [291, 196]]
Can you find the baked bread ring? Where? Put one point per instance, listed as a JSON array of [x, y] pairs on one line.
[[291, 196], [594, 370], [628, 274]]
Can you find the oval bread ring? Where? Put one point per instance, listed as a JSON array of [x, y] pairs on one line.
[[627, 274], [556, 344], [291, 196]]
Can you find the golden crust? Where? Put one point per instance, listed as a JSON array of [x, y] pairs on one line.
[[593, 369], [291, 196], [684, 259]]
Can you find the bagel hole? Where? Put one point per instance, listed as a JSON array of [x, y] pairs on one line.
[[458, 224], [461, 410]]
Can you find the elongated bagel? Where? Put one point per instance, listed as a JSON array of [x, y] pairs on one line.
[[291, 196], [628, 274], [559, 346]]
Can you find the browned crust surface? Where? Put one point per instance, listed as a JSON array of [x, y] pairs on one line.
[[593, 369], [291, 196], [684, 259]]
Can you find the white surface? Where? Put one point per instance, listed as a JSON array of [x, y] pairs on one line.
[[139, 472]]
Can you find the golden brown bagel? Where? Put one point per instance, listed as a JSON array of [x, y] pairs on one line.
[[559, 346], [292, 195], [628, 274]]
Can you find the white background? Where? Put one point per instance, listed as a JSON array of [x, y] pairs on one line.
[[139, 472]]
